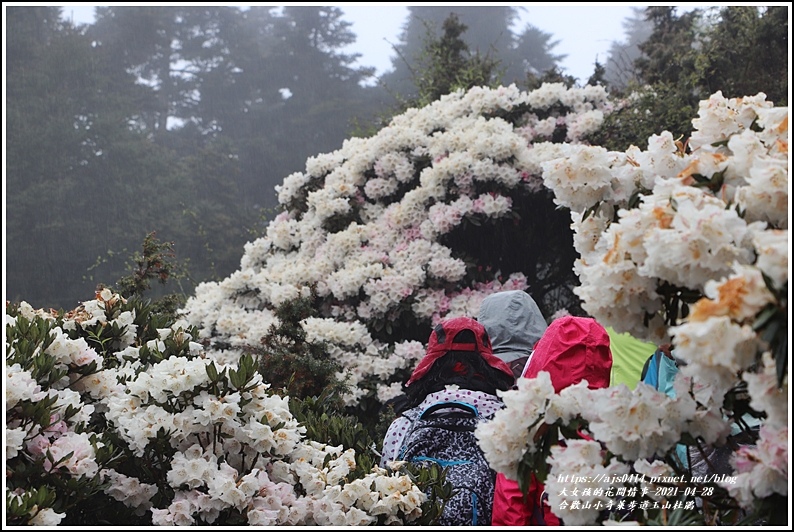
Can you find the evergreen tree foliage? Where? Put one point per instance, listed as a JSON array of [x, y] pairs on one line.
[[446, 64], [619, 66], [156, 261], [531, 54], [82, 177], [553, 75], [739, 50], [598, 75], [183, 119], [294, 365], [747, 51], [668, 55], [488, 34]]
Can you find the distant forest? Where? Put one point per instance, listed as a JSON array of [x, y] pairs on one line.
[[180, 121]]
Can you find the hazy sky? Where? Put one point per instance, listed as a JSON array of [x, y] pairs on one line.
[[584, 31]]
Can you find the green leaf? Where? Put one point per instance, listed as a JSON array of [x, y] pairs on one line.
[[212, 372]]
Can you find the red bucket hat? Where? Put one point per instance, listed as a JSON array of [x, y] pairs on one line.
[[442, 341]]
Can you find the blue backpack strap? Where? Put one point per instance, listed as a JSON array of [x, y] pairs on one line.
[[412, 414]]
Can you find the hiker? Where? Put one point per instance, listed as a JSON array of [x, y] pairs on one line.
[[571, 350], [514, 324], [452, 389], [628, 356], [659, 372]]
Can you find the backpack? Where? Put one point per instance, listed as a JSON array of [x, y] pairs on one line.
[[659, 371], [650, 370], [444, 433]]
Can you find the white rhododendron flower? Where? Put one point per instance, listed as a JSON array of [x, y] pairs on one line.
[[68, 351], [14, 440], [772, 248], [765, 394], [633, 424], [46, 517], [715, 341], [509, 434], [578, 468], [129, 490], [761, 469], [74, 452], [19, 386]]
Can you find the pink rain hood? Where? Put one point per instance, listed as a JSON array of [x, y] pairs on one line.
[[573, 349]]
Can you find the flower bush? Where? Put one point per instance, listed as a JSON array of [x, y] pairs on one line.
[[109, 416], [687, 243], [172, 423], [365, 226]]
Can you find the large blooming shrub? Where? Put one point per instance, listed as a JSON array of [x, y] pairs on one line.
[[682, 242], [369, 227], [112, 420]]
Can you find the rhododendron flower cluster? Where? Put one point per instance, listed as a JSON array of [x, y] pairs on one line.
[[761, 470], [711, 219], [232, 444], [582, 502], [630, 424]]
